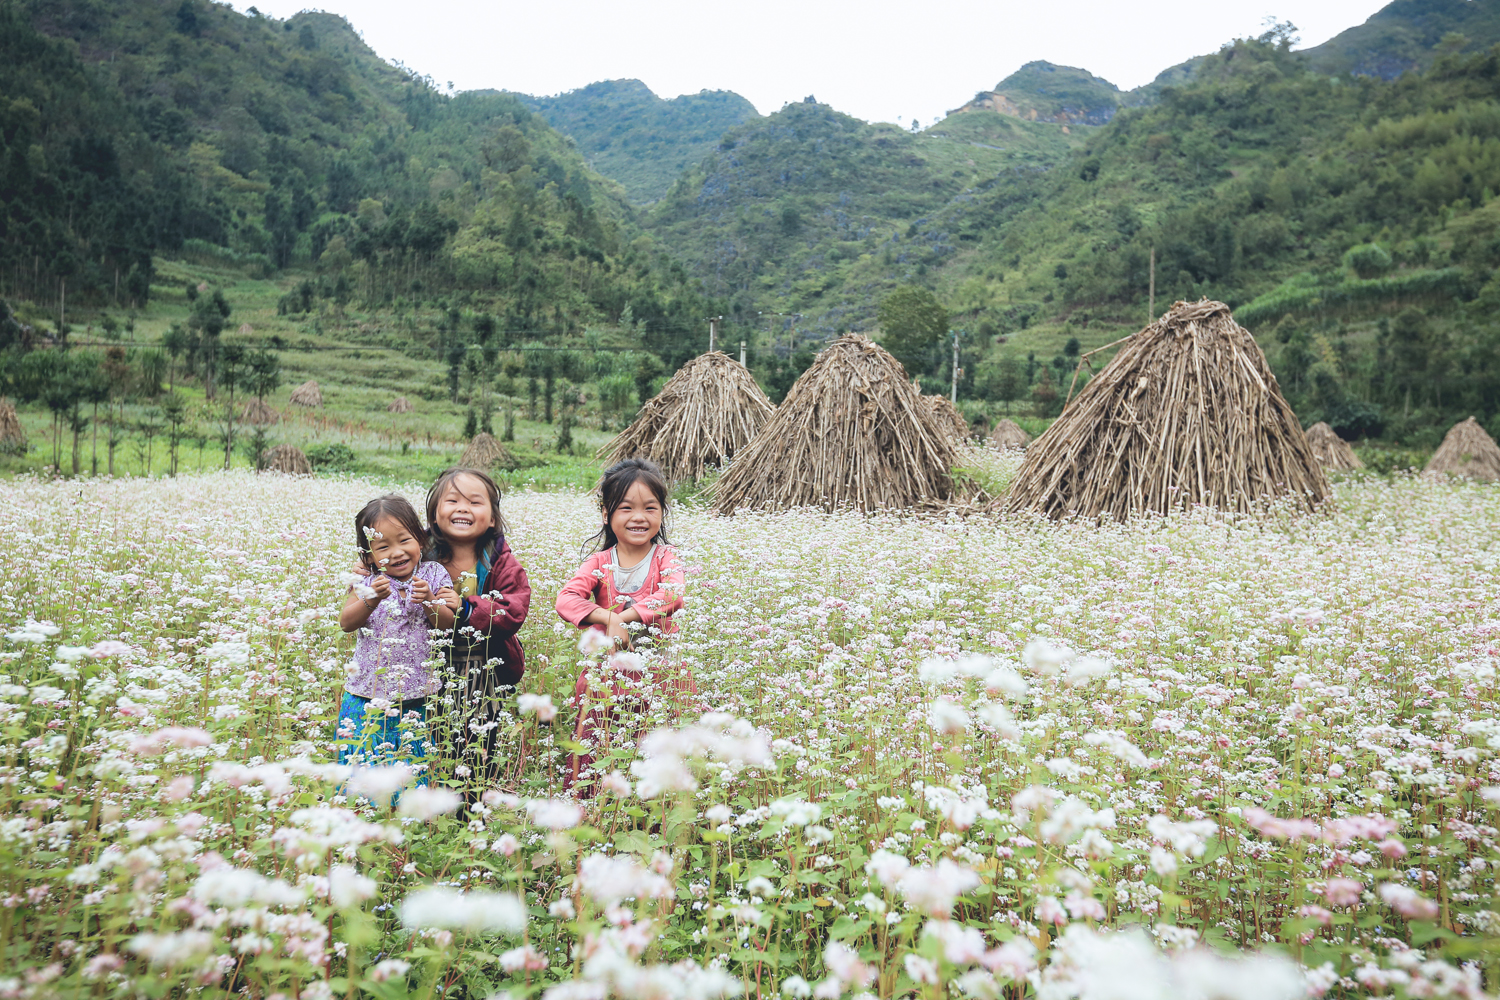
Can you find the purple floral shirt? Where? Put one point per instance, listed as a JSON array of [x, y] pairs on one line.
[[392, 653]]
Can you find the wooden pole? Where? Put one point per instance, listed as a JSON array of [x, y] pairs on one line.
[[954, 397], [1151, 300]]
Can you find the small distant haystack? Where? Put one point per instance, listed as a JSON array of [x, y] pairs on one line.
[[12, 434], [1186, 413], [246, 329], [399, 405], [1009, 434], [851, 433], [1467, 450], [258, 413], [308, 394], [948, 416], [484, 452], [1331, 451], [287, 459], [703, 416]]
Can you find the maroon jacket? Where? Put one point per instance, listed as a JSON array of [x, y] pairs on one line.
[[497, 615]]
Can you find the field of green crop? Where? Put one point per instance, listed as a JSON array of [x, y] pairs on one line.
[[1188, 756]]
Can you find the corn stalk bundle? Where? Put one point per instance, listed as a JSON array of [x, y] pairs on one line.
[[1467, 451], [485, 453], [12, 434], [1331, 451], [1186, 413], [1009, 434], [308, 394], [851, 433], [947, 416], [258, 413], [399, 405], [703, 416], [287, 459]]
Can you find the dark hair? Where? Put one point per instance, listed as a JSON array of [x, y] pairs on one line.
[[613, 486], [441, 550], [391, 505]]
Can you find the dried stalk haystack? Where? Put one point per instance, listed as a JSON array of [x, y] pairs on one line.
[[948, 416], [399, 405], [1186, 413], [308, 394], [1009, 434], [1467, 450], [1331, 451], [851, 433], [12, 434], [258, 413], [484, 452], [286, 458], [703, 416]]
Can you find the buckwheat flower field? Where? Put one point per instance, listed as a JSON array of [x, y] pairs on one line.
[[1186, 757]]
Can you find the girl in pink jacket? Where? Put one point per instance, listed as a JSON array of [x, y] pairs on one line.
[[629, 590]]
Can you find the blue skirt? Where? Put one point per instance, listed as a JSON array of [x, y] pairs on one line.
[[384, 739]]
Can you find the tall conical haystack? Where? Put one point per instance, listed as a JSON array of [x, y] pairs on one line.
[[1331, 451], [703, 416], [1467, 450], [308, 394], [1186, 413], [1009, 434], [12, 434], [399, 405], [484, 452], [852, 432], [288, 459], [948, 416], [258, 413]]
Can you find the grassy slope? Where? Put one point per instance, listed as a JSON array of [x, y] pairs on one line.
[[358, 382]]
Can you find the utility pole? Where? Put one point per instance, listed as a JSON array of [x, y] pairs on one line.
[[954, 398], [742, 352], [1151, 299]]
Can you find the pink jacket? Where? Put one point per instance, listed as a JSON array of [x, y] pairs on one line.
[[659, 598]]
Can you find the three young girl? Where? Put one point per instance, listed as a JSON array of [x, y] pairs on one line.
[[460, 581]]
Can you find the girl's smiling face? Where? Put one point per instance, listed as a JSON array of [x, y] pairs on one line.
[[463, 511], [637, 520], [394, 550]]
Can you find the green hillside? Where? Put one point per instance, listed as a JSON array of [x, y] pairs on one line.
[[809, 211], [1407, 35], [1045, 92], [640, 140], [201, 133]]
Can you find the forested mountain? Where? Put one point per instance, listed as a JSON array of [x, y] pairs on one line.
[[1045, 92], [811, 211], [632, 136], [184, 128], [1407, 35], [1348, 217]]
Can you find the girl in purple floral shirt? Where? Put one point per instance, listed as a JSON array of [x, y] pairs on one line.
[[393, 609]]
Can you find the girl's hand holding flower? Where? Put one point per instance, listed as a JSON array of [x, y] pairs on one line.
[[449, 598], [382, 587], [421, 591]]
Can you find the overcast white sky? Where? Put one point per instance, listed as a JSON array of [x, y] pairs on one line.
[[877, 60]]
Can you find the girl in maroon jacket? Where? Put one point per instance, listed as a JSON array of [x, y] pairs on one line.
[[493, 596], [629, 590]]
